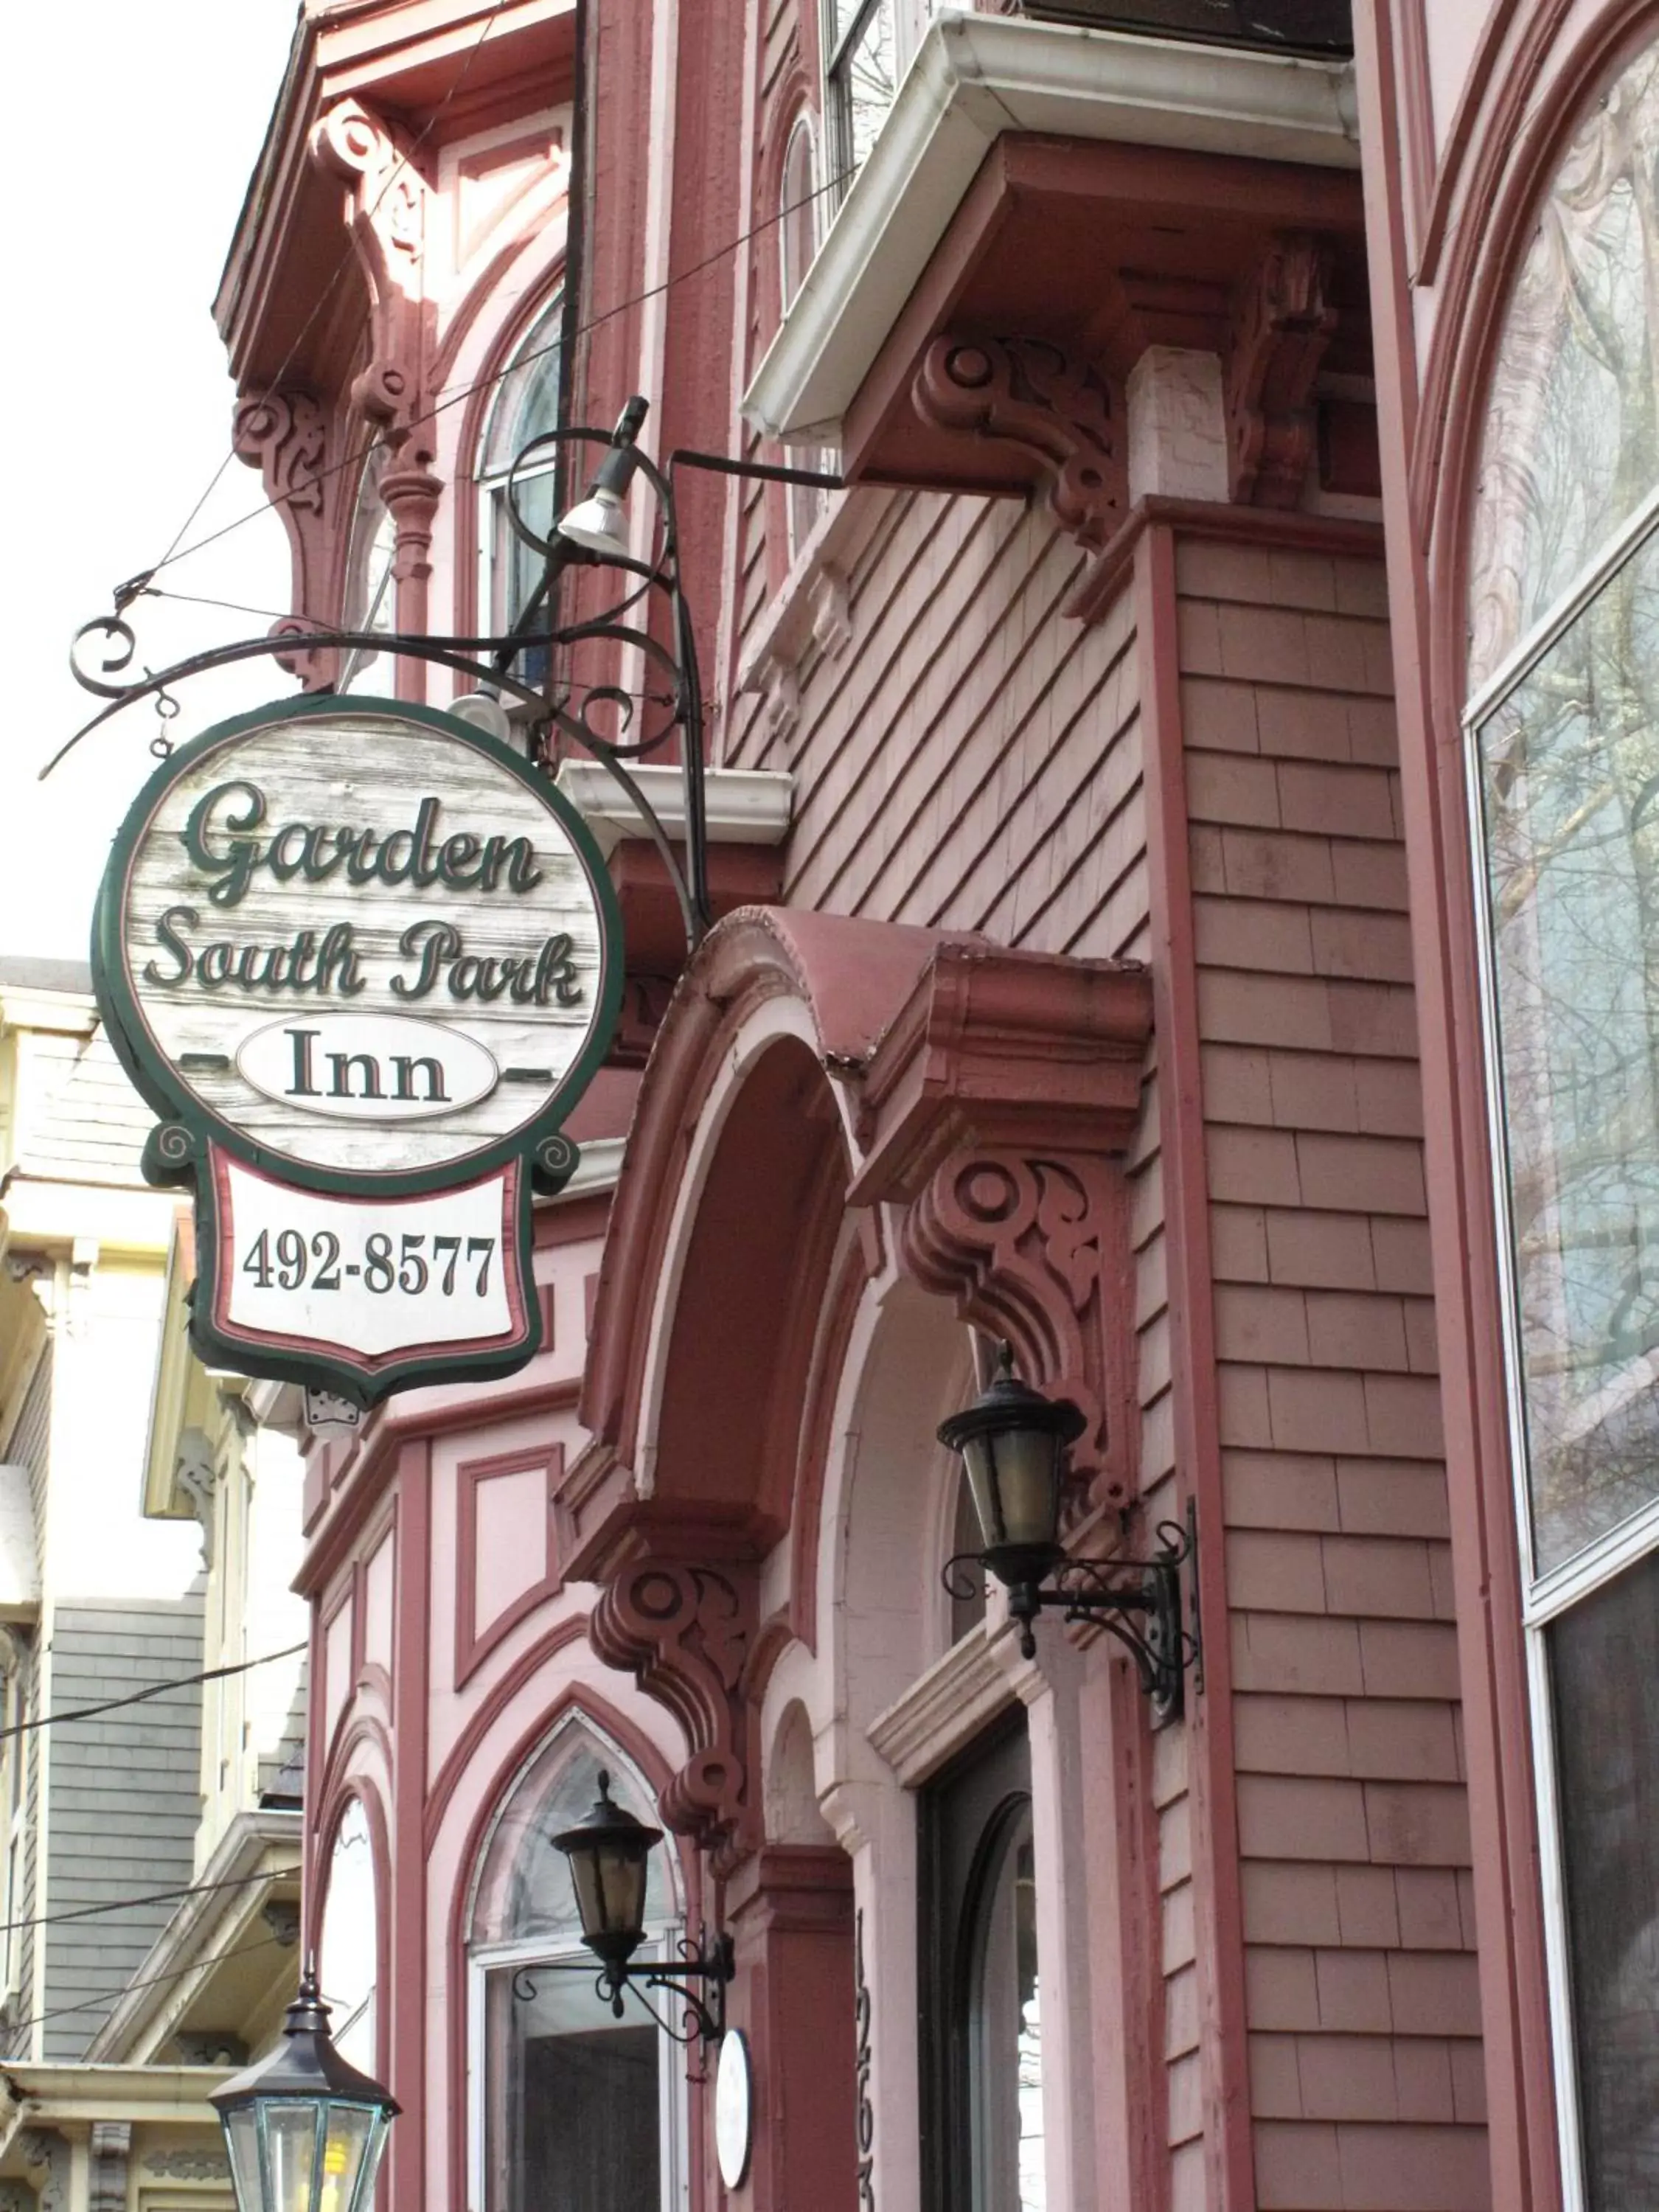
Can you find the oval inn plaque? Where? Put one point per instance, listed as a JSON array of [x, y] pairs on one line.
[[363, 960]]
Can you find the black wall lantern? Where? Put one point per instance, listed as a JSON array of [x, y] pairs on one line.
[[304, 2131], [1014, 1444], [610, 1855]]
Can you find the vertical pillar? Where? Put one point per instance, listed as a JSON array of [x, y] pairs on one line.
[[790, 1912]]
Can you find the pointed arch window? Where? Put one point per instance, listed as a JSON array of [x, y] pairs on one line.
[[572, 2110], [528, 405], [1563, 750]]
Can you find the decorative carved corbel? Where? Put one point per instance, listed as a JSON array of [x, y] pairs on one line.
[[992, 1111], [1058, 409], [284, 434], [1024, 1244], [686, 1633], [111, 2147], [386, 215], [1283, 320]]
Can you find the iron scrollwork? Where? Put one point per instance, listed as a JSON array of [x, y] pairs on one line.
[[712, 1962], [539, 662], [1136, 1600]]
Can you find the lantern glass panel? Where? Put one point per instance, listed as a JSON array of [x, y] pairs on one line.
[[349, 2134], [291, 2143], [242, 2142], [1015, 1477], [611, 1881]]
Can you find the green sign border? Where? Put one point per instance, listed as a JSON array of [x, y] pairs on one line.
[[160, 1085]]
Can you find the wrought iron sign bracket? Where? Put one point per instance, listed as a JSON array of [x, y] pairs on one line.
[[1139, 1601], [610, 723]]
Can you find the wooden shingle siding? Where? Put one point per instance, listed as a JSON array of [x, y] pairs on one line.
[[971, 759], [1361, 1996], [125, 1799]]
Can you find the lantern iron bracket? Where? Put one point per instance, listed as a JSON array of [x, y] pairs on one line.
[[712, 1961], [1136, 1600]]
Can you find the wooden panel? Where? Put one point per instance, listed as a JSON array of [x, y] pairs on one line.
[[504, 1560]]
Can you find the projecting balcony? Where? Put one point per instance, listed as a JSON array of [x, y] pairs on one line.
[[1054, 192]]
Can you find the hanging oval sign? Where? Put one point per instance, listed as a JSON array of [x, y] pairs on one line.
[[362, 945]]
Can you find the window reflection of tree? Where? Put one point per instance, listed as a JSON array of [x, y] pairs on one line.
[[1571, 773]]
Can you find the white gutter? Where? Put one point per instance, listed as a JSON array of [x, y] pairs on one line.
[[973, 78]]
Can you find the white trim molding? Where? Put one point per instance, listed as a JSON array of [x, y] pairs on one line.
[[742, 806], [973, 78]]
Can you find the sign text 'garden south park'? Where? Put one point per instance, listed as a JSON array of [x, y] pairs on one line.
[[363, 960]]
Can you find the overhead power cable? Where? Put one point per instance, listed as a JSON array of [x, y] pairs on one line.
[[344, 264], [355, 459], [150, 1690], [109, 1999], [150, 1897]]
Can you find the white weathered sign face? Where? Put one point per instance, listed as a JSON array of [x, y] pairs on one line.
[[363, 944]]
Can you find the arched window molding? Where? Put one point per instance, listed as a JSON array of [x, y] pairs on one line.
[[1563, 752], [544, 2051], [349, 1945], [371, 583], [528, 404]]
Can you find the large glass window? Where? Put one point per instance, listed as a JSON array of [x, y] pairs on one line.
[[528, 406], [861, 40], [982, 2130], [350, 1940], [575, 2110], [1564, 753]]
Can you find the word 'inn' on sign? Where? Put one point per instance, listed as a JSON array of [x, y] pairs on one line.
[[371, 1067]]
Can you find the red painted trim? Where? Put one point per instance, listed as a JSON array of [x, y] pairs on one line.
[[1415, 111], [484, 1716], [472, 1644], [407, 2010], [606, 1720], [1341, 537], [839, 1313], [1519, 149], [1512, 168], [1466, 125], [1219, 1909], [363, 1791], [398, 1423]]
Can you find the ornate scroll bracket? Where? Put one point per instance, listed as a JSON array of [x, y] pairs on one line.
[[686, 1633], [284, 434], [386, 214], [990, 1112], [1059, 410], [1283, 321], [1022, 1243]]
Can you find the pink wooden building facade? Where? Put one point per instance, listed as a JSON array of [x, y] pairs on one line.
[[1182, 851]]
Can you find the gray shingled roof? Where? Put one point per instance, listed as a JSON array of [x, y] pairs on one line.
[[24, 974]]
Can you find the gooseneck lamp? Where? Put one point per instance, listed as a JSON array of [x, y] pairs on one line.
[[304, 2128], [1014, 1444]]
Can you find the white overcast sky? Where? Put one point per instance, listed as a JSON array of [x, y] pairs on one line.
[[128, 165]]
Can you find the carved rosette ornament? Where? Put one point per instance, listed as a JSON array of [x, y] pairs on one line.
[[1283, 322], [1054, 406], [686, 1633]]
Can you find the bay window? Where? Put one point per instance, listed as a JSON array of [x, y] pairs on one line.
[[1563, 730]]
